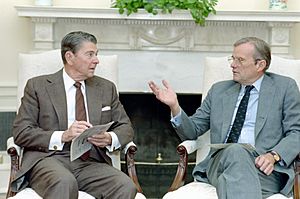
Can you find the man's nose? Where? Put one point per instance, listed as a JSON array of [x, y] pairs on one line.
[[96, 60]]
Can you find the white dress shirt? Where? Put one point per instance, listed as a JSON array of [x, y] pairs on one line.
[[55, 141]]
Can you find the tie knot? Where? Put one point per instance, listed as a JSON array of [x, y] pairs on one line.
[[77, 84], [248, 88]]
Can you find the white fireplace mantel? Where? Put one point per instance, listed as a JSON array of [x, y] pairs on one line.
[[112, 13], [176, 31], [163, 46]]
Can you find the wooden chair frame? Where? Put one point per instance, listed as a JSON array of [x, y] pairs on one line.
[[129, 151], [179, 178]]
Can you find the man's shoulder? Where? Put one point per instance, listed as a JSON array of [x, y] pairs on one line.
[[278, 78], [224, 84], [101, 80], [46, 76]]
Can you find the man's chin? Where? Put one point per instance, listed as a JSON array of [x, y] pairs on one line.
[[91, 74], [235, 78]]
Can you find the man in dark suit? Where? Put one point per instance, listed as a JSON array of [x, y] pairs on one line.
[[270, 123], [47, 122]]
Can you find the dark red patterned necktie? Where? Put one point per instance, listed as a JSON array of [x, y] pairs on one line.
[[80, 113]]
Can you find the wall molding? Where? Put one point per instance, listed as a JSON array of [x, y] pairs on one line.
[[8, 97], [144, 31]]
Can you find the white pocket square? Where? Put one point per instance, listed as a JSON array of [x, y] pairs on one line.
[[106, 108]]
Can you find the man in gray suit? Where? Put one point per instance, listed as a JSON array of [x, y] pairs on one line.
[[46, 124], [271, 124]]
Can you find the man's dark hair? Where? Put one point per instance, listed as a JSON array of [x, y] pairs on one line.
[[73, 40]]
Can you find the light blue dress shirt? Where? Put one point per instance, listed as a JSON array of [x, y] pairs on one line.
[[247, 133]]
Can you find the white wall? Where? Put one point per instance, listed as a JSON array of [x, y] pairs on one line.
[[15, 37]]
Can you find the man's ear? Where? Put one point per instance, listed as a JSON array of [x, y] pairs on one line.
[[261, 65], [69, 56]]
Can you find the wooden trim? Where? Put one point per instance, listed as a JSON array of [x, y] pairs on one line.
[[129, 157], [181, 169]]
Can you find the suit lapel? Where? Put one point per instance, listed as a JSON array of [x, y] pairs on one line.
[[93, 94], [266, 93], [229, 102], [57, 94]]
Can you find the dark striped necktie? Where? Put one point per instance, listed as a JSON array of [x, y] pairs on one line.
[[239, 117]]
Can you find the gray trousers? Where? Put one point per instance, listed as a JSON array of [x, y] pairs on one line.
[[232, 171], [57, 178]]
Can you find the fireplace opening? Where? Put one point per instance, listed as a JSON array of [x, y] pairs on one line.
[[156, 140]]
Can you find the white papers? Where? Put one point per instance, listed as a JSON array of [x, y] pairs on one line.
[[222, 146], [80, 144]]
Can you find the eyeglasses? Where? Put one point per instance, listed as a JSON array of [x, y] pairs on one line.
[[239, 60]]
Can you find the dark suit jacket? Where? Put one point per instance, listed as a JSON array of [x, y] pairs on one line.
[[277, 124], [44, 110]]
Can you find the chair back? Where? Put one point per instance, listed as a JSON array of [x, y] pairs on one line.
[[218, 69], [48, 62]]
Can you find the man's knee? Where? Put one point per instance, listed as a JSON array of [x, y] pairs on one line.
[[68, 181], [235, 149], [237, 153], [127, 186]]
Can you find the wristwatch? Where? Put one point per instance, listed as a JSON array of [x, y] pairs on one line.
[[275, 156]]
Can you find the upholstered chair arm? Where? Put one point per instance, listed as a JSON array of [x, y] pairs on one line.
[[297, 178], [14, 151], [130, 150], [183, 149]]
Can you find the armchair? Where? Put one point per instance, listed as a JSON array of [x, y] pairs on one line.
[[48, 62], [200, 146]]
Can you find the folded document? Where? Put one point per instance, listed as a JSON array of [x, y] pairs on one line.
[[80, 144]]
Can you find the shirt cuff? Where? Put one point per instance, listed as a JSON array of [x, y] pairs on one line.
[[176, 120], [115, 143], [55, 141]]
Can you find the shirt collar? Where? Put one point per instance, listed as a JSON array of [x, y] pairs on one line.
[[69, 82], [256, 84]]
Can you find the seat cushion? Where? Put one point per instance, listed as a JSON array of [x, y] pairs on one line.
[[28, 193], [195, 190]]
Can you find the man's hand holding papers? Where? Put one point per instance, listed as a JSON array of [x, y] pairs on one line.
[[80, 144]]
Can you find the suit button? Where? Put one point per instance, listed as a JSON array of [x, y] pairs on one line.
[[55, 147]]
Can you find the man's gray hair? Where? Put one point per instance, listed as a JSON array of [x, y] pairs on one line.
[[262, 49]]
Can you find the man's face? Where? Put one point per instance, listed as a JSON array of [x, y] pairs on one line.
[[82, 64], [245, 69]]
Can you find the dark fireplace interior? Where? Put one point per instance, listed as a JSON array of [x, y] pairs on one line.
[[154, 135]]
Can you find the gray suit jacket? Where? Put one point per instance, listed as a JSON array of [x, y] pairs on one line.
[[277, 124], [44, 110]]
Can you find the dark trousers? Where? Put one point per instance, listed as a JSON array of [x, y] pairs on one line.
[[56, 177]]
